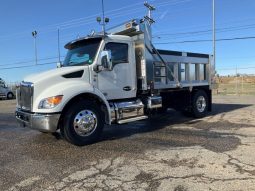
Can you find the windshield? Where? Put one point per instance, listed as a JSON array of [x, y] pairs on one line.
[[82, 52]]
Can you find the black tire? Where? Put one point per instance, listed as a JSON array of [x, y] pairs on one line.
[[73, 133], [187, 113], [10, 95], [198, 100]]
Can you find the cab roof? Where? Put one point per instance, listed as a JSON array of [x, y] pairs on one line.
[[72, 43]]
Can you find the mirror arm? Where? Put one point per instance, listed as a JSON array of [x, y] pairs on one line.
[[59, 65], [98, 68]]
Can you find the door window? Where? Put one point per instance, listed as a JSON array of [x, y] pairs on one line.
[[119, 52]]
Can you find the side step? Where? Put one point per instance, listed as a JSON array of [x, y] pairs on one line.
[[132, 119]]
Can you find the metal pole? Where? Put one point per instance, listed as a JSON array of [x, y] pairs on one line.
[[236, 79], [103, 17], [242, 84], [214, 36], [36, 52], [58, 47], [34, 34]]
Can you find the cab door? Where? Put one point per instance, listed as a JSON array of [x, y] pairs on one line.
[[120, 82]]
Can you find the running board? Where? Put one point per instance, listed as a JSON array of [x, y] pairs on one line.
[[132, 119]]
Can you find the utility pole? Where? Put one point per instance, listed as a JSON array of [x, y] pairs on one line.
[[150, 9], [58, 48], [34, 34], [214, 35], [242, 84], [105, 19], [236, 81]]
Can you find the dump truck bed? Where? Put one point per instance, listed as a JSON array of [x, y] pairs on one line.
[[181, 69]]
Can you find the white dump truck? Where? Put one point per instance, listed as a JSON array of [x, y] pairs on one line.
[[5, 92], [114, 78]]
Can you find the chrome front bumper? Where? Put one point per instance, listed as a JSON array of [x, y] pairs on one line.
[[40, 122]]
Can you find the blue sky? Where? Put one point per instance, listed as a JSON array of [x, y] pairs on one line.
[[176, 21]]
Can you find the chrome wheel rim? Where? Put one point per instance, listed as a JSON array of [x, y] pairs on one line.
[[9, 96], [85, 123], [201, 104]]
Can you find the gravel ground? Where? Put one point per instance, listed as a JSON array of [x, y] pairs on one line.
[[168, 152]]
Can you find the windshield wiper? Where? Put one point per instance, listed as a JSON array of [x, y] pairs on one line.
[[77, 63], [73, 62]]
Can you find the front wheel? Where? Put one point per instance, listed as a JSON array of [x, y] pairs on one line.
[[10, 95], [82, 123], [199, 104]]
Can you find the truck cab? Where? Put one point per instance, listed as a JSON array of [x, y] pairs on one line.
[[115, 78], [114, 69]]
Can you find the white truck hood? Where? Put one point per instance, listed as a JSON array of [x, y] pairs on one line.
[[53, 82], [57, 72]]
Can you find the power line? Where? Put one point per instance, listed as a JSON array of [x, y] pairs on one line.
[[225, 29], [195, 41], [234, 68], [198, 34], [74, 23], [191, 41], [80, 21], [27, 66], [59, 25], [237, 57], [169, 2], [118, 14], [30, 61], [208, 31], [161, 4], [206, 26]]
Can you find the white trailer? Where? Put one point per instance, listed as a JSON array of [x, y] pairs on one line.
[[114, 78]]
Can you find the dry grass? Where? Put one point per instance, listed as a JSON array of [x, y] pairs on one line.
[[235, 85]]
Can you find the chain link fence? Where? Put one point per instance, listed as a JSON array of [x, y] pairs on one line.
[[235, 85]]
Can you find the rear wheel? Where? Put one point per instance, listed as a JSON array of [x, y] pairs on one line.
[[199, 104], [83, 123]]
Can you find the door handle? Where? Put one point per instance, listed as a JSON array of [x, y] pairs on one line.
[[127, 88]]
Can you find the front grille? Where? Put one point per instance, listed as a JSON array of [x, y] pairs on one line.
[[25, 96]]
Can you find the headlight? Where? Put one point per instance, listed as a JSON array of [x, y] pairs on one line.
[[50, 102]]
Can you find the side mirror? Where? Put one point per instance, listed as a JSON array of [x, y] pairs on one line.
[[59, 64], [106, 59]]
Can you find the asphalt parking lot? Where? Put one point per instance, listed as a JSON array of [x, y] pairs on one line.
[[168, 152]]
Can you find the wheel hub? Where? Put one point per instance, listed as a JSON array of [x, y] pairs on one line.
[[201, 104], [85, 123]]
